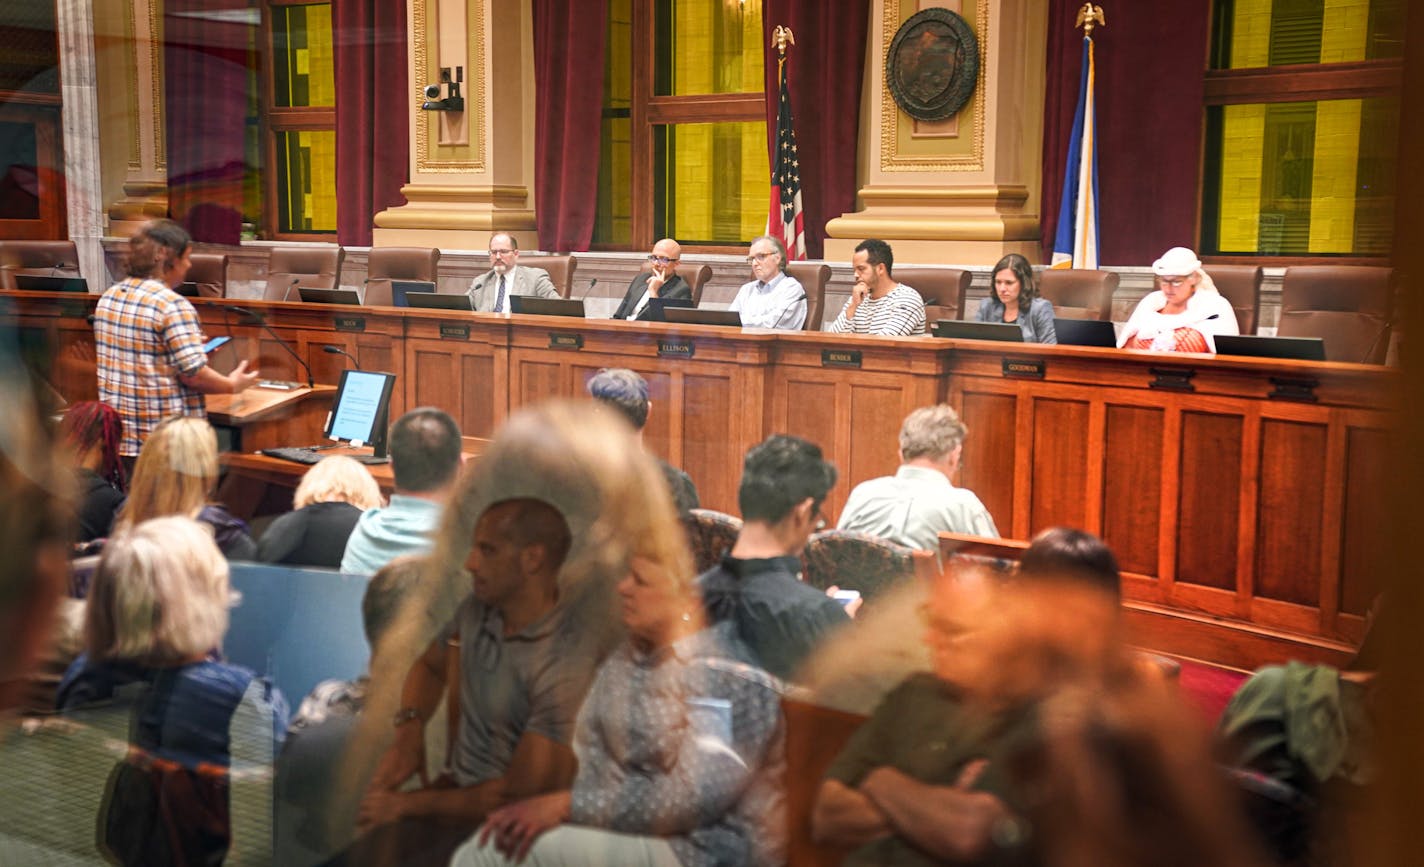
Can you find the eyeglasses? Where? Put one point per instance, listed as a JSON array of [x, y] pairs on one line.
[[1174, 281], [494, 253], [758, 257], [662, 260]]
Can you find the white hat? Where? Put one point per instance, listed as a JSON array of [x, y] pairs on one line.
[[1177, 262]]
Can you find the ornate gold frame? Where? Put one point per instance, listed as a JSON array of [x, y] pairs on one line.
[[474, 100]]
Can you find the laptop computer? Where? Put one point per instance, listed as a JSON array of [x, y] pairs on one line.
[[438, 301], [1084, 332], [39, 283], [698, 316], [329, 296], [1260, 346], [654, 312], [533, 304], [958, 329], [399, 288]]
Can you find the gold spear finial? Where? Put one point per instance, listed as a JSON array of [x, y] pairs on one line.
[[1090, 16], [783, 37]]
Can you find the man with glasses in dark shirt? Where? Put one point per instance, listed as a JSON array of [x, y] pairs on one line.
[[660, 281], [758, 584]]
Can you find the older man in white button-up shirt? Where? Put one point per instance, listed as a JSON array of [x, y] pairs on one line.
[[774, 299]]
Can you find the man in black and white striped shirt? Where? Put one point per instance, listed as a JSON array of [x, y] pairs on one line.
[[879, 305]]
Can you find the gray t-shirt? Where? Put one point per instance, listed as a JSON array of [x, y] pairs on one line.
[[532, 681]]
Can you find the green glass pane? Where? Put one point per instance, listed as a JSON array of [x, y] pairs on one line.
[[302, 56], [306, 181], [1251, 34], [707, 46], [710, 184], [1301, 178]]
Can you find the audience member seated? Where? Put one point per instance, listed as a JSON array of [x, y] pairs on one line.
[[773, 299], [157, 610], [176, 473], [327, 504], [627, 393], [1184, 314], [307, 772], [521, 685], [425, 460], [877, 304], [680, 749], [91, 432], [662, 281], [758, 586], [1015, 300], [491, 290], [919, 502]]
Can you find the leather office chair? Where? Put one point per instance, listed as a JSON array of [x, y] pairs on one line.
[[561, 270], [710, 534], [313, 267], [695, 275], [1241, 285], [209, 273], [1348, 305], [37, 258], [858, 561], [1079, 293], [813, 277], [944, 290], [385, 264]]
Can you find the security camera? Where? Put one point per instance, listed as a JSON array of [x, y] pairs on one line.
[[432, 91], [453, 101]]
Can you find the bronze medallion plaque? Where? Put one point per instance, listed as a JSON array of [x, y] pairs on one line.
[[933, 64]]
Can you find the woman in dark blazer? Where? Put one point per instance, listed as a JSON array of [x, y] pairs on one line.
[[1015, 300]]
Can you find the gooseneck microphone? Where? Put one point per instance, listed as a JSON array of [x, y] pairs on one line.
[[261, 320], [290, 286], [337, 350], [592, 283]]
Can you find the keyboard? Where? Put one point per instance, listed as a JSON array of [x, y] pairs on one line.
[[310, 455]]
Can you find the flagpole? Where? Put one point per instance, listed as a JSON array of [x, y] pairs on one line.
[[1076, 241]]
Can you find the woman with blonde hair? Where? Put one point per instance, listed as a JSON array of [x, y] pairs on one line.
[[176, 472], [328, 503], [1186, 311]]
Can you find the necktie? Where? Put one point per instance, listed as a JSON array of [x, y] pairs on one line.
[[499, 299]]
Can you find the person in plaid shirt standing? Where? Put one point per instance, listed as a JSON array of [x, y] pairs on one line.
[[149, 343]]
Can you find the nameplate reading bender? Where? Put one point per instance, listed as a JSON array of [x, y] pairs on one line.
[[675, 349], [840, 358], [454, 331]]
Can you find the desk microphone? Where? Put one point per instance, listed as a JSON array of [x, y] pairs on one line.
[[261, 321], [337, 350], [789, 308], [592, 283], [290, 287]]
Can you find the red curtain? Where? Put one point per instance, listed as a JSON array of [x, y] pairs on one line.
[[1149, 138], [373, 97], [205, 73], [825, 68], [569, 37]]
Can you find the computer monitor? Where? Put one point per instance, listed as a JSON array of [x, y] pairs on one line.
[[360, 414], [654, 312], [399, 288], [43, 283], [1260, 346], [699, 316], [958, 329], [533, 304], [438, 301], [312, 295], [1084, 332]]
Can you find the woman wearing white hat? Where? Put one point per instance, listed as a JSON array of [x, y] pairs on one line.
[[1184, 313]]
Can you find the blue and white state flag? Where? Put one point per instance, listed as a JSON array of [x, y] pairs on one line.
[[1076, 243]]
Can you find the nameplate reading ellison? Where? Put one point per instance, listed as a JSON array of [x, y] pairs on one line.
[[840, 358], [349, 323], [453, 331], [675, 349], [566, 341], [1025, 368]]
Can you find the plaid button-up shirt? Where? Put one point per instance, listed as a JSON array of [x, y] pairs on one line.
[[146, 336]]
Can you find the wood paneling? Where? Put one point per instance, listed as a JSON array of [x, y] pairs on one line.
[[1132, 456], [1366, 520], [1208, 499], [1292, 499], [710, 454], [989, 466], [1060, 464]]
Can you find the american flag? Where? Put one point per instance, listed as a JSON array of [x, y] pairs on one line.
[[786, 220]]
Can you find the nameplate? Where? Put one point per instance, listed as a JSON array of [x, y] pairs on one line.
[[840, 358], [675, 349], [454, 331], [1025, 368], [349, 323], [1172, 378], [566, 341], [1294, 388]]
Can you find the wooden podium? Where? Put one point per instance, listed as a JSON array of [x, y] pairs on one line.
[[261, 418]]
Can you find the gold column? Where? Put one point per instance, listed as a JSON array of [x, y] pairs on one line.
[[471, 172], [964, 190], [129, 55]]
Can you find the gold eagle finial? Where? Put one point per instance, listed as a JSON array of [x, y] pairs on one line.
[[1089, 17], [783, 37]]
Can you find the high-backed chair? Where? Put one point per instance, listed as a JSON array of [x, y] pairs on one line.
[[561, 270], [1241, 285], [385, 264], [944, 289], [813, 277], [1079, 293], [313, 267], [695, 275], [1348, 305], [209, 273], [859, 561], [37, 258], [710, 534]]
